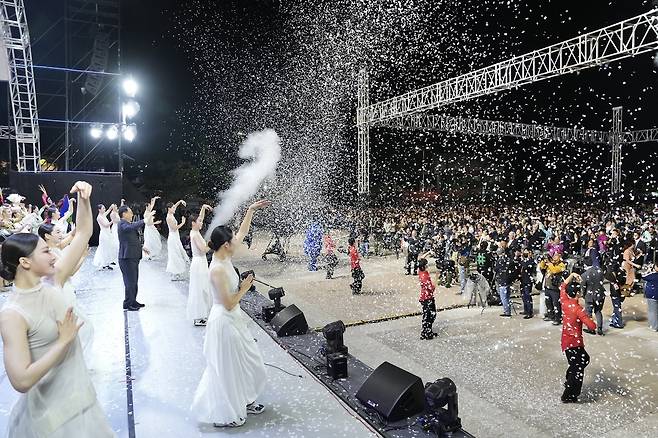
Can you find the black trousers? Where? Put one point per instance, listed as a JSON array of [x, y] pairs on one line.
[[357, 276], [332, 262], [130, 272], [412, 263], [578, 359], [429, 315], [553, 304]]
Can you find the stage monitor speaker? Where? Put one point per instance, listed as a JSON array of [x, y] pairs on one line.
[[337, 366], [393, 392], [289, 321]]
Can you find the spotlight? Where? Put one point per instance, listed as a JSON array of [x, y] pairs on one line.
[[112, 132], [275, 294], [130, 87], [333, 333], [96, 131], [130, 109], [130, 132], [441, 407]]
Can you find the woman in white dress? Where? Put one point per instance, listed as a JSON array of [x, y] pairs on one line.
[[57, 244], [105, 250], [152, 240], [235, 374], [42, 353], [177, 258], [114, 217], [199, 298]]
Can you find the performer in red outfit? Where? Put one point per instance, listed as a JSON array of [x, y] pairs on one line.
[[357, 273], [573, 318], [426, 300]]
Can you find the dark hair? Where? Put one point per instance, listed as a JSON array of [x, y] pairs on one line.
[[193, 217], [573, 289], [45, 229], [422, 264], [219, 236], [122, 210], [50, 211], [99, 206], [170, 204], [13, 248], [351, 241]]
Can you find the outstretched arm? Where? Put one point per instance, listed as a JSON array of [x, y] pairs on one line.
[[202, 212], [182, 222], [246, 222], [65, 266], [152, 203]]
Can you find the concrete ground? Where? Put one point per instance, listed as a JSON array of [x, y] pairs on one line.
[[508, 372]]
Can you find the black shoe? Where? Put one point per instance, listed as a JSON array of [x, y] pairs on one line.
[[600, 332], [506, 315], [139, 304], [527, 316], [617, 326], [591, 332], [133, 308], [557, 322]]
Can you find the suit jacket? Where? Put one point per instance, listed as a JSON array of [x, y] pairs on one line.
[[130, 245]]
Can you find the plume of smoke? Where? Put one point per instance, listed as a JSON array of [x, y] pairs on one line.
[[263, 150]]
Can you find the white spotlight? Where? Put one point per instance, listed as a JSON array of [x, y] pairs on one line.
[[130, 87], [130, 132], [130, 109], [96, 131], [112, 132]]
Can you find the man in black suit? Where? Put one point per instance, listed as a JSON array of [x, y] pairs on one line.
[[130, 253]]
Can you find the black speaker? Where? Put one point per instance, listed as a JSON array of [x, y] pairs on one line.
[[290, 321], [337, 365], [393, 392]]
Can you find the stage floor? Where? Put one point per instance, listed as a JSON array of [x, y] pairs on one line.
[[167, 363]]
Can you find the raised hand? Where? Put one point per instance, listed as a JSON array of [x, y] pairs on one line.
[[83, 189], [260, 204], [206, 207], [183, 203], [182, 220]]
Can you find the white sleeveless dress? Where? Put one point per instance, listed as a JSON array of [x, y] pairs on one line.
[[235, 374], [177, 258], [199, 297], [152, 241], [63, 403], [86, 333], [105, 250], [115, 236]]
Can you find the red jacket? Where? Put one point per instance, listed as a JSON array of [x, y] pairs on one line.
[[354, 257], [329, 244], [426, 286], [573, 317]]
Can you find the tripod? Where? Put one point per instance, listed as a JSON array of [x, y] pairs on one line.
[[475, 294]]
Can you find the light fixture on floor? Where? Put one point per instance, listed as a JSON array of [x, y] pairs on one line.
[[275, 295], [441, 407], [335, 350]]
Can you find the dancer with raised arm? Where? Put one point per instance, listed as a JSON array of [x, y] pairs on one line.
[[199, 298], [177, 258], [105, 252], [235, 374], [130, 253], [42, 353], [114, 217], [152, 240]]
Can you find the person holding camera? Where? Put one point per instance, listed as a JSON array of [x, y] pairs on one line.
[[573, 318], [426, 299], [235, 373]]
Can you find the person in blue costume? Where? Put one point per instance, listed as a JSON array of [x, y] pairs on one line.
[[313, 244]]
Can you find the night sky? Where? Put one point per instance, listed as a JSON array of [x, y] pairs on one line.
[[212, 71]]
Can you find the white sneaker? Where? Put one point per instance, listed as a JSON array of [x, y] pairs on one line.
[[238, 423], [255, 409]]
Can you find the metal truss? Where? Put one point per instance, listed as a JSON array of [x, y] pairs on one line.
[[7, 133], [615, 142], [641, 136], [621, 40], [498, 128], [15, 35], [363, 136]]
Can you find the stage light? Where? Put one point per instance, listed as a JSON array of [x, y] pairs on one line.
[[112, 132], [268, 312], [442, 407], [96, 131], [130, 87], [333, 333], [130, 109], [130, 132]]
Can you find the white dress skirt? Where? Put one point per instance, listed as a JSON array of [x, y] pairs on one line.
[[62, 404], [152, 241], [235, 373], [115, 242], [177, 258], [105, 252]]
